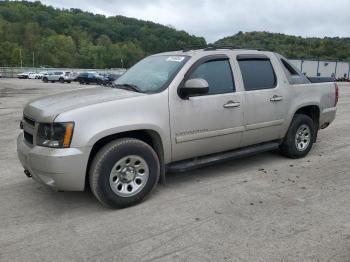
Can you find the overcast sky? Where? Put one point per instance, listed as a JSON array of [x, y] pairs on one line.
[[214, 19]]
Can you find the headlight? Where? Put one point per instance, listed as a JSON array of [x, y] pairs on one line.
[[58, 135]]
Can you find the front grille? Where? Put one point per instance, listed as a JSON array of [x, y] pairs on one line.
[[29, 121], [28, 137]]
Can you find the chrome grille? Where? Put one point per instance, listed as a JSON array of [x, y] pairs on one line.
[[28, 125], [29, 121], [28, 137]]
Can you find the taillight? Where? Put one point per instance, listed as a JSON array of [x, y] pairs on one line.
[[336, 93]]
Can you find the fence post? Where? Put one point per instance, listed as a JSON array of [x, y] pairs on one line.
[[335, 69]]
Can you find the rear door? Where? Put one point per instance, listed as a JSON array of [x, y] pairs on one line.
[[265, 98]]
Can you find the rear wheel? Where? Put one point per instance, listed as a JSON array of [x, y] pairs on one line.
[[124, 172], [300, 137]]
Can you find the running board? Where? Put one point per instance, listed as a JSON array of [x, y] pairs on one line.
[[193, 163]]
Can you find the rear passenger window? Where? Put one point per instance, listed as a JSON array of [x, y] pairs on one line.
[[218, 75], [289, 68], [257, 74]]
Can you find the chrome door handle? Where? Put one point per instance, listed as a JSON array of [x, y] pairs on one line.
[[232, 104], [276, 98]]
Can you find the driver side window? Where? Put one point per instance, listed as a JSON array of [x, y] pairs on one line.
[[218, 74]]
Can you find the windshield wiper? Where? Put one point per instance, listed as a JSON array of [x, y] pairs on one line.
[[130, 87]]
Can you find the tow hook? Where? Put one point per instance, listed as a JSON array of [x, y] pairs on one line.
[[27, 173]]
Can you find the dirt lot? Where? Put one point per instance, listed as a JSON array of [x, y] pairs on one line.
[[261, 208]]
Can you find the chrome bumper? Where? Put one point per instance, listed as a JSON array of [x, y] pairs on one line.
[[60, 169]]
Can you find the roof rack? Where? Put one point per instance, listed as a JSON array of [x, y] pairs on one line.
[[212, 48]]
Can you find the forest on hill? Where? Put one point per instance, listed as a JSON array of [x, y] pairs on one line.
[[292, 46], [73, 38]]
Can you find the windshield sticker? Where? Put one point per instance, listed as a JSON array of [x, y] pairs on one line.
[[175, 59]]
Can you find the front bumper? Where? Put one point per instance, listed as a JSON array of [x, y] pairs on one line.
[[60, 169]]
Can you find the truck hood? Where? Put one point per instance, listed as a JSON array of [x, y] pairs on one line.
[[47, 108]]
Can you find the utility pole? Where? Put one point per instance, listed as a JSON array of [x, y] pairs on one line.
[[20, 57], [33, 59]]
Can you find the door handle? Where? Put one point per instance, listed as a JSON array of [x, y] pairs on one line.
[[232, 104], [276, 98]]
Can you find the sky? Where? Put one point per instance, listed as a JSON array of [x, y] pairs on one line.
[[216, 19]]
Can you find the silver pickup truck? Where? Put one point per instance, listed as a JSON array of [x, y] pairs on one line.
[[172, 112]]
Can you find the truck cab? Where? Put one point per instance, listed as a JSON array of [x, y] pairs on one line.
[[172, 112]]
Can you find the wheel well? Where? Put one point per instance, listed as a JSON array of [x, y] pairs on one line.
[[313, 112], [150, 137]]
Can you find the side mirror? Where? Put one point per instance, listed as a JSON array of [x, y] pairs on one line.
[[196, 86]]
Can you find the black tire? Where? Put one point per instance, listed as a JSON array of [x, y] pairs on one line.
[[68, 81], [61, 80], [52, 81], [289, 145], [45, 80], [105, 160]]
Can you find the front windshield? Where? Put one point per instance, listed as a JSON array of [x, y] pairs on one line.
[[152, 73]]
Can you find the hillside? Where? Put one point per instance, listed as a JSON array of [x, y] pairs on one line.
[[73, 38], [292, 46]]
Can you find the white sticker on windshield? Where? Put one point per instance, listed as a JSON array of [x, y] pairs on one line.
[[175, 59]]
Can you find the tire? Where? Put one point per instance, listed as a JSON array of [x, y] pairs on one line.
[[300, 137], [61, 80], [52, 81], [115, 188], [45, 80], [68, 81]]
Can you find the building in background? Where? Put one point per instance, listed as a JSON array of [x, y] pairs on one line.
[[313, 68]]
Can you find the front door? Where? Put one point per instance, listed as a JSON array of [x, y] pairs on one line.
[[208, 123]]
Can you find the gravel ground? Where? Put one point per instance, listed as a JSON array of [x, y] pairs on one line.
[[261, 208]]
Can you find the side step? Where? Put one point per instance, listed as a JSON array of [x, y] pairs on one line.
[[193, 163]]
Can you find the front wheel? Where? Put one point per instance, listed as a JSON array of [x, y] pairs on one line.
[[124, 172], [300, 137]]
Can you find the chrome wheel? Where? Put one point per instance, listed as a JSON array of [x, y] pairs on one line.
[[303, 137], [129, 176]]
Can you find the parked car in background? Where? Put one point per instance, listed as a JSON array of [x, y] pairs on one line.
[[172, 112], [97, 78], [33, 76], [41, 74], [58, 76], [91, 78], [24, 75], [110, 78], [75, 76]]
